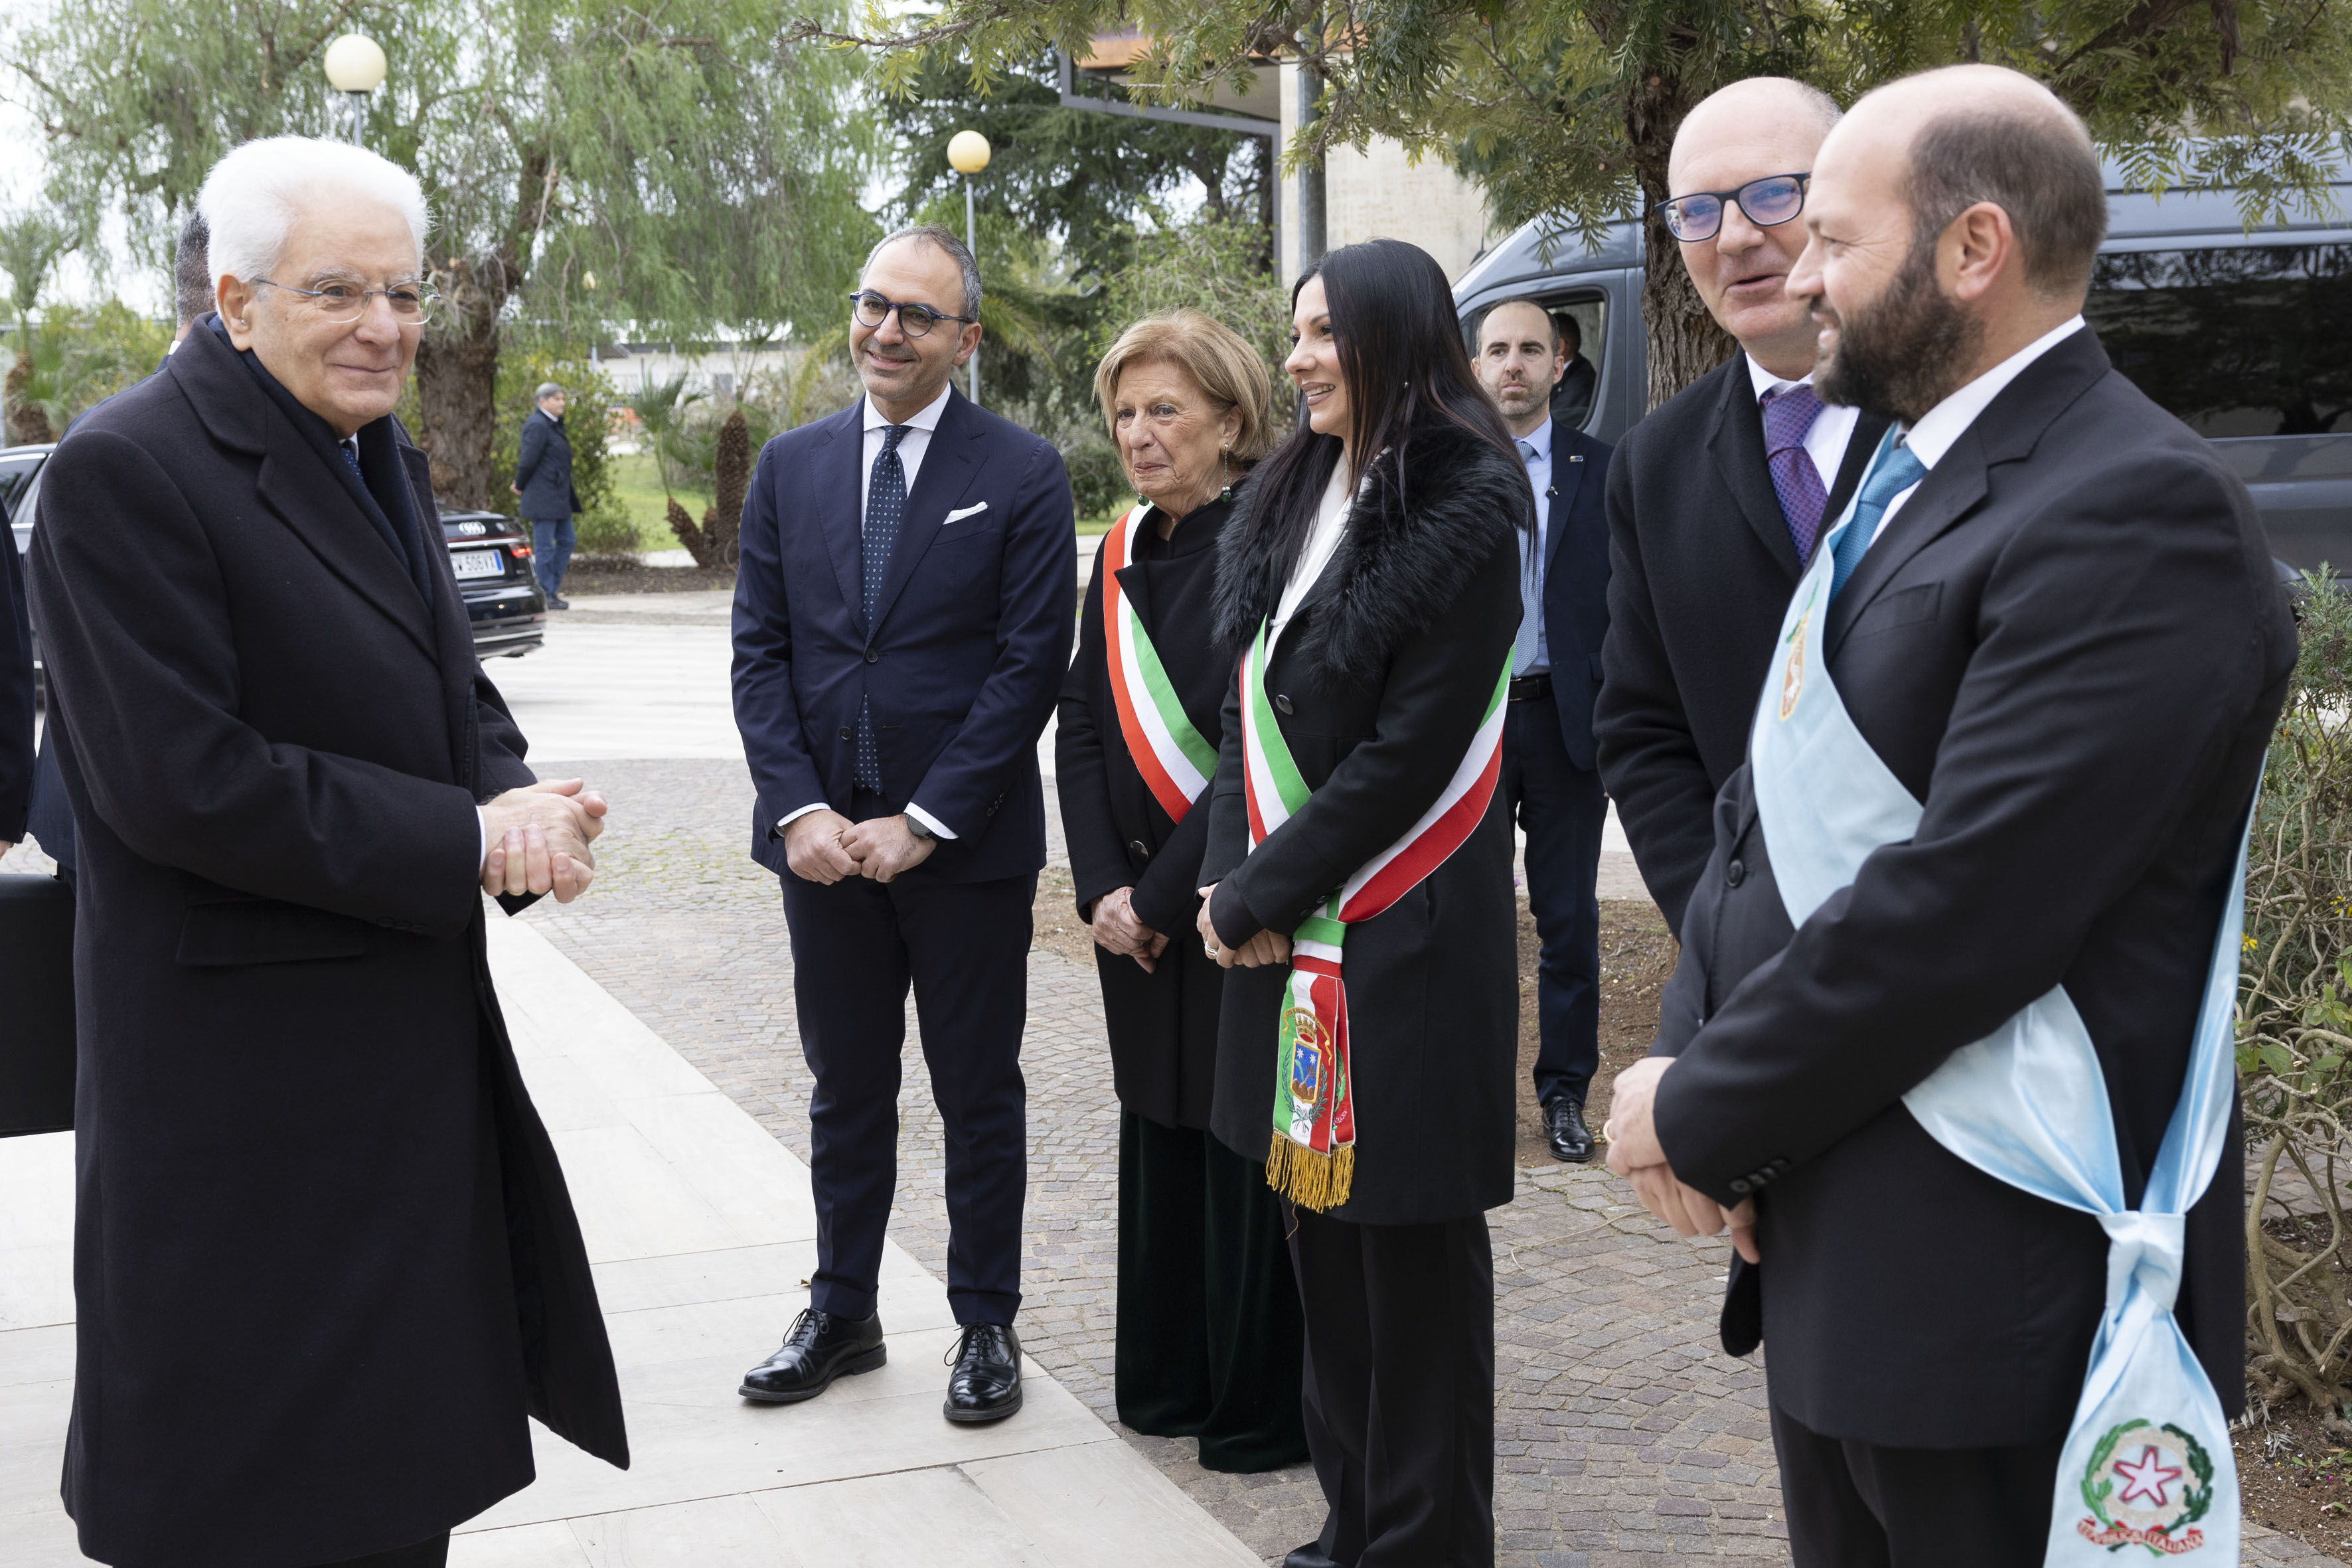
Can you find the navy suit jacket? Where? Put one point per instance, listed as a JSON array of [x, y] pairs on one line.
[[544, 470], [1576, 582], [965, 657]]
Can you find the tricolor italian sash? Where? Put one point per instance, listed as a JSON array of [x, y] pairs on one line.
[[1173, 757], [1313, 1159]]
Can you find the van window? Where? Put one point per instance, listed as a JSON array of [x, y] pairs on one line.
[[1582, 320], [17, 471], [2242, 341]]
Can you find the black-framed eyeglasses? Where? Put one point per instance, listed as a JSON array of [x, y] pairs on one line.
[[872, 310], [1769, 203], [411, 303]]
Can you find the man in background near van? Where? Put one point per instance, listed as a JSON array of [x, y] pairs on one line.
[[543, 479], [1547, 775], [1717, 498], [1579, 382]]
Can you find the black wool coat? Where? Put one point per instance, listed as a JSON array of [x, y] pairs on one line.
[[1700, 568], [1163, 1024], [1381, 679], [324, 1257], [2070, 644]]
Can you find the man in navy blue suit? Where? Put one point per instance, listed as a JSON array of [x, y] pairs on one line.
[[1548, 768], [903, 612]]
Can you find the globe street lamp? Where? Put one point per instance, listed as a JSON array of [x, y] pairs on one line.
[[968, 150], [355, 66]]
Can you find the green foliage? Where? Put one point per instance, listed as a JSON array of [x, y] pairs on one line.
[[1098, 482], [1205, 266], [589, 396], [82, 355]]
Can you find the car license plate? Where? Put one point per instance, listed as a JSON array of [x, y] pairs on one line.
[[479, 562]]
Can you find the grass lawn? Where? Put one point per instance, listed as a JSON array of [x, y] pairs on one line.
[[637, 481]]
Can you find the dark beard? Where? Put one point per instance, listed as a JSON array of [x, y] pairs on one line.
[[1902, 354]]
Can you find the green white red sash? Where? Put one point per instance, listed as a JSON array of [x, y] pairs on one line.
[[1173, 757], [1313, 1158]]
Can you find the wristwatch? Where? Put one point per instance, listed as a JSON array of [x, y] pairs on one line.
[[915, 826]]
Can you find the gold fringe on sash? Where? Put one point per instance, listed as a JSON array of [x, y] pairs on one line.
[[1310, 1180]]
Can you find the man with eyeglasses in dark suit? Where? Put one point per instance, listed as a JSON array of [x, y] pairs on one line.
[[1716, 499], [903, 614]]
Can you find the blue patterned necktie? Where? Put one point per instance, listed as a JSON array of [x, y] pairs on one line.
[[1523, 646], [886, 508], [1896, 471]]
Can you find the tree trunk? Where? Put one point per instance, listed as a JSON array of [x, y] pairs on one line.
[[457, 398], [1684, 343]]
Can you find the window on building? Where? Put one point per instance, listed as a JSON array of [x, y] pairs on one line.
[[2240, 340]]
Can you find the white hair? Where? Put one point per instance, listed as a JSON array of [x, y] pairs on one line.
[[253, 195]]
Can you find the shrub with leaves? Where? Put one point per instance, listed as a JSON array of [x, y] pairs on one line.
[[2294, 1029]]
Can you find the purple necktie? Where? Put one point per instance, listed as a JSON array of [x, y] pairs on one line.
[[1788, 413]]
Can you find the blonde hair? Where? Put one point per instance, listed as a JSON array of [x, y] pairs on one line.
[[1213, 355]]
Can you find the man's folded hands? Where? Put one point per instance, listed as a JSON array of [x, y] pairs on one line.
[[537, 839], [1635, 1153]]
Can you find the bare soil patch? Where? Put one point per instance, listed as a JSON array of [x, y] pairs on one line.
[[593, 574]]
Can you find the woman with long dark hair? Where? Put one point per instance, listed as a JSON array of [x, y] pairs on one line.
[[1360, 871]]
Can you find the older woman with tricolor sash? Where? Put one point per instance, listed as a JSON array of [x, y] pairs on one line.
[[1361, 869], [1208, 1342]]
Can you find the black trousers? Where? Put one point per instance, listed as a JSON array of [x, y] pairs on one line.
[[1400, 1392], [963, 947], [1209, 1344], [431, 1553], [1858, 1505], [1562, 809]]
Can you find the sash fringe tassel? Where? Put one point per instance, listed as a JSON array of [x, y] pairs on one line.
[[1309, 1179]]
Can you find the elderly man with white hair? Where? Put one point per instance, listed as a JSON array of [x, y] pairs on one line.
[[324, 1257]]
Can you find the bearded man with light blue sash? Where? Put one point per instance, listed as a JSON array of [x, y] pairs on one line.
[[1948, 1048]]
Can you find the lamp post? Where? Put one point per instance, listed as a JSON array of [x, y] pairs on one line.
[[968, 150], [355, 67]]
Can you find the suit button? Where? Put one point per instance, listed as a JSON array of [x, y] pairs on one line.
[[1282, 705], [1742, 1185], [1736, 873], [846, 733], [1140, 850], [872, 658]]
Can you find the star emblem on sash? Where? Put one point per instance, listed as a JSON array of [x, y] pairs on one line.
[[2147, 1479]]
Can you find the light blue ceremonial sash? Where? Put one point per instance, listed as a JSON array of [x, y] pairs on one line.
[[2147, 1460]]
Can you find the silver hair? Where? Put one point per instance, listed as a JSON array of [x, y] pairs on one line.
[[547, 389], [253, 195], [945, 240]]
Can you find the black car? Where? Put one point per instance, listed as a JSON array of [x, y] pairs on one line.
[[490, 553], [2244, 335]]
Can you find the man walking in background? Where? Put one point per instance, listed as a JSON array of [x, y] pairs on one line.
[[1548, 773], [1717, 498], [543, 479], [903, 614]]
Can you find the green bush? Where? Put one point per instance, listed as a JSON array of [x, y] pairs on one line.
[[1099, 484], [589, 399]]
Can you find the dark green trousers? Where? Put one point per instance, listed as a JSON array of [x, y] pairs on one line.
[[1211, 1341]]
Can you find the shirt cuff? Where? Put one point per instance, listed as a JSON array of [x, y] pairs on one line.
[[795, 814], [482, 834], [939, 830]]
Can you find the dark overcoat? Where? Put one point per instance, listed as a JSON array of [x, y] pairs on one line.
[[1163, 1024], [1381, 680], [2070, 644], [324, 1257], [544, 470]]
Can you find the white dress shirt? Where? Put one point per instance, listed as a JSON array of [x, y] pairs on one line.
[[1323, 537], [1941, 426], [1832, 427], [911, 447]]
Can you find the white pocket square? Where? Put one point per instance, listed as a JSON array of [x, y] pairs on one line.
[[963, 512]]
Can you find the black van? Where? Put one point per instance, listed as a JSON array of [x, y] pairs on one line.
[[2245, 337]]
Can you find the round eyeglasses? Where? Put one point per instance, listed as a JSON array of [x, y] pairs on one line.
[[342, 303], [1769, 203], [872, 310]]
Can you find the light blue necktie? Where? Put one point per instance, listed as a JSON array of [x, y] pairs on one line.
[[1896, 471], [1522, 648]]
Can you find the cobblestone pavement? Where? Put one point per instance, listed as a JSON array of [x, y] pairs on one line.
[[1625, 1438]]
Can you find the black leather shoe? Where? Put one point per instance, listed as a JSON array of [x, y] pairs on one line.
[[555, 603], [1564, 1130], [986, 1382], [1310, 1555], [818, 1348]]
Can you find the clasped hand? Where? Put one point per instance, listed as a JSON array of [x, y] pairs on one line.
[[824, 847], [536, 839], [1635, 1153], [1266, 947], [1119, 929]]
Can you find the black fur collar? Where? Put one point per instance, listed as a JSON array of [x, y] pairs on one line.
[[1405, 557]]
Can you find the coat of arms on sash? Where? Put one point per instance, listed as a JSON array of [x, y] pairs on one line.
[[1792, 674], [2147, 1485], [1309, 1051]]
